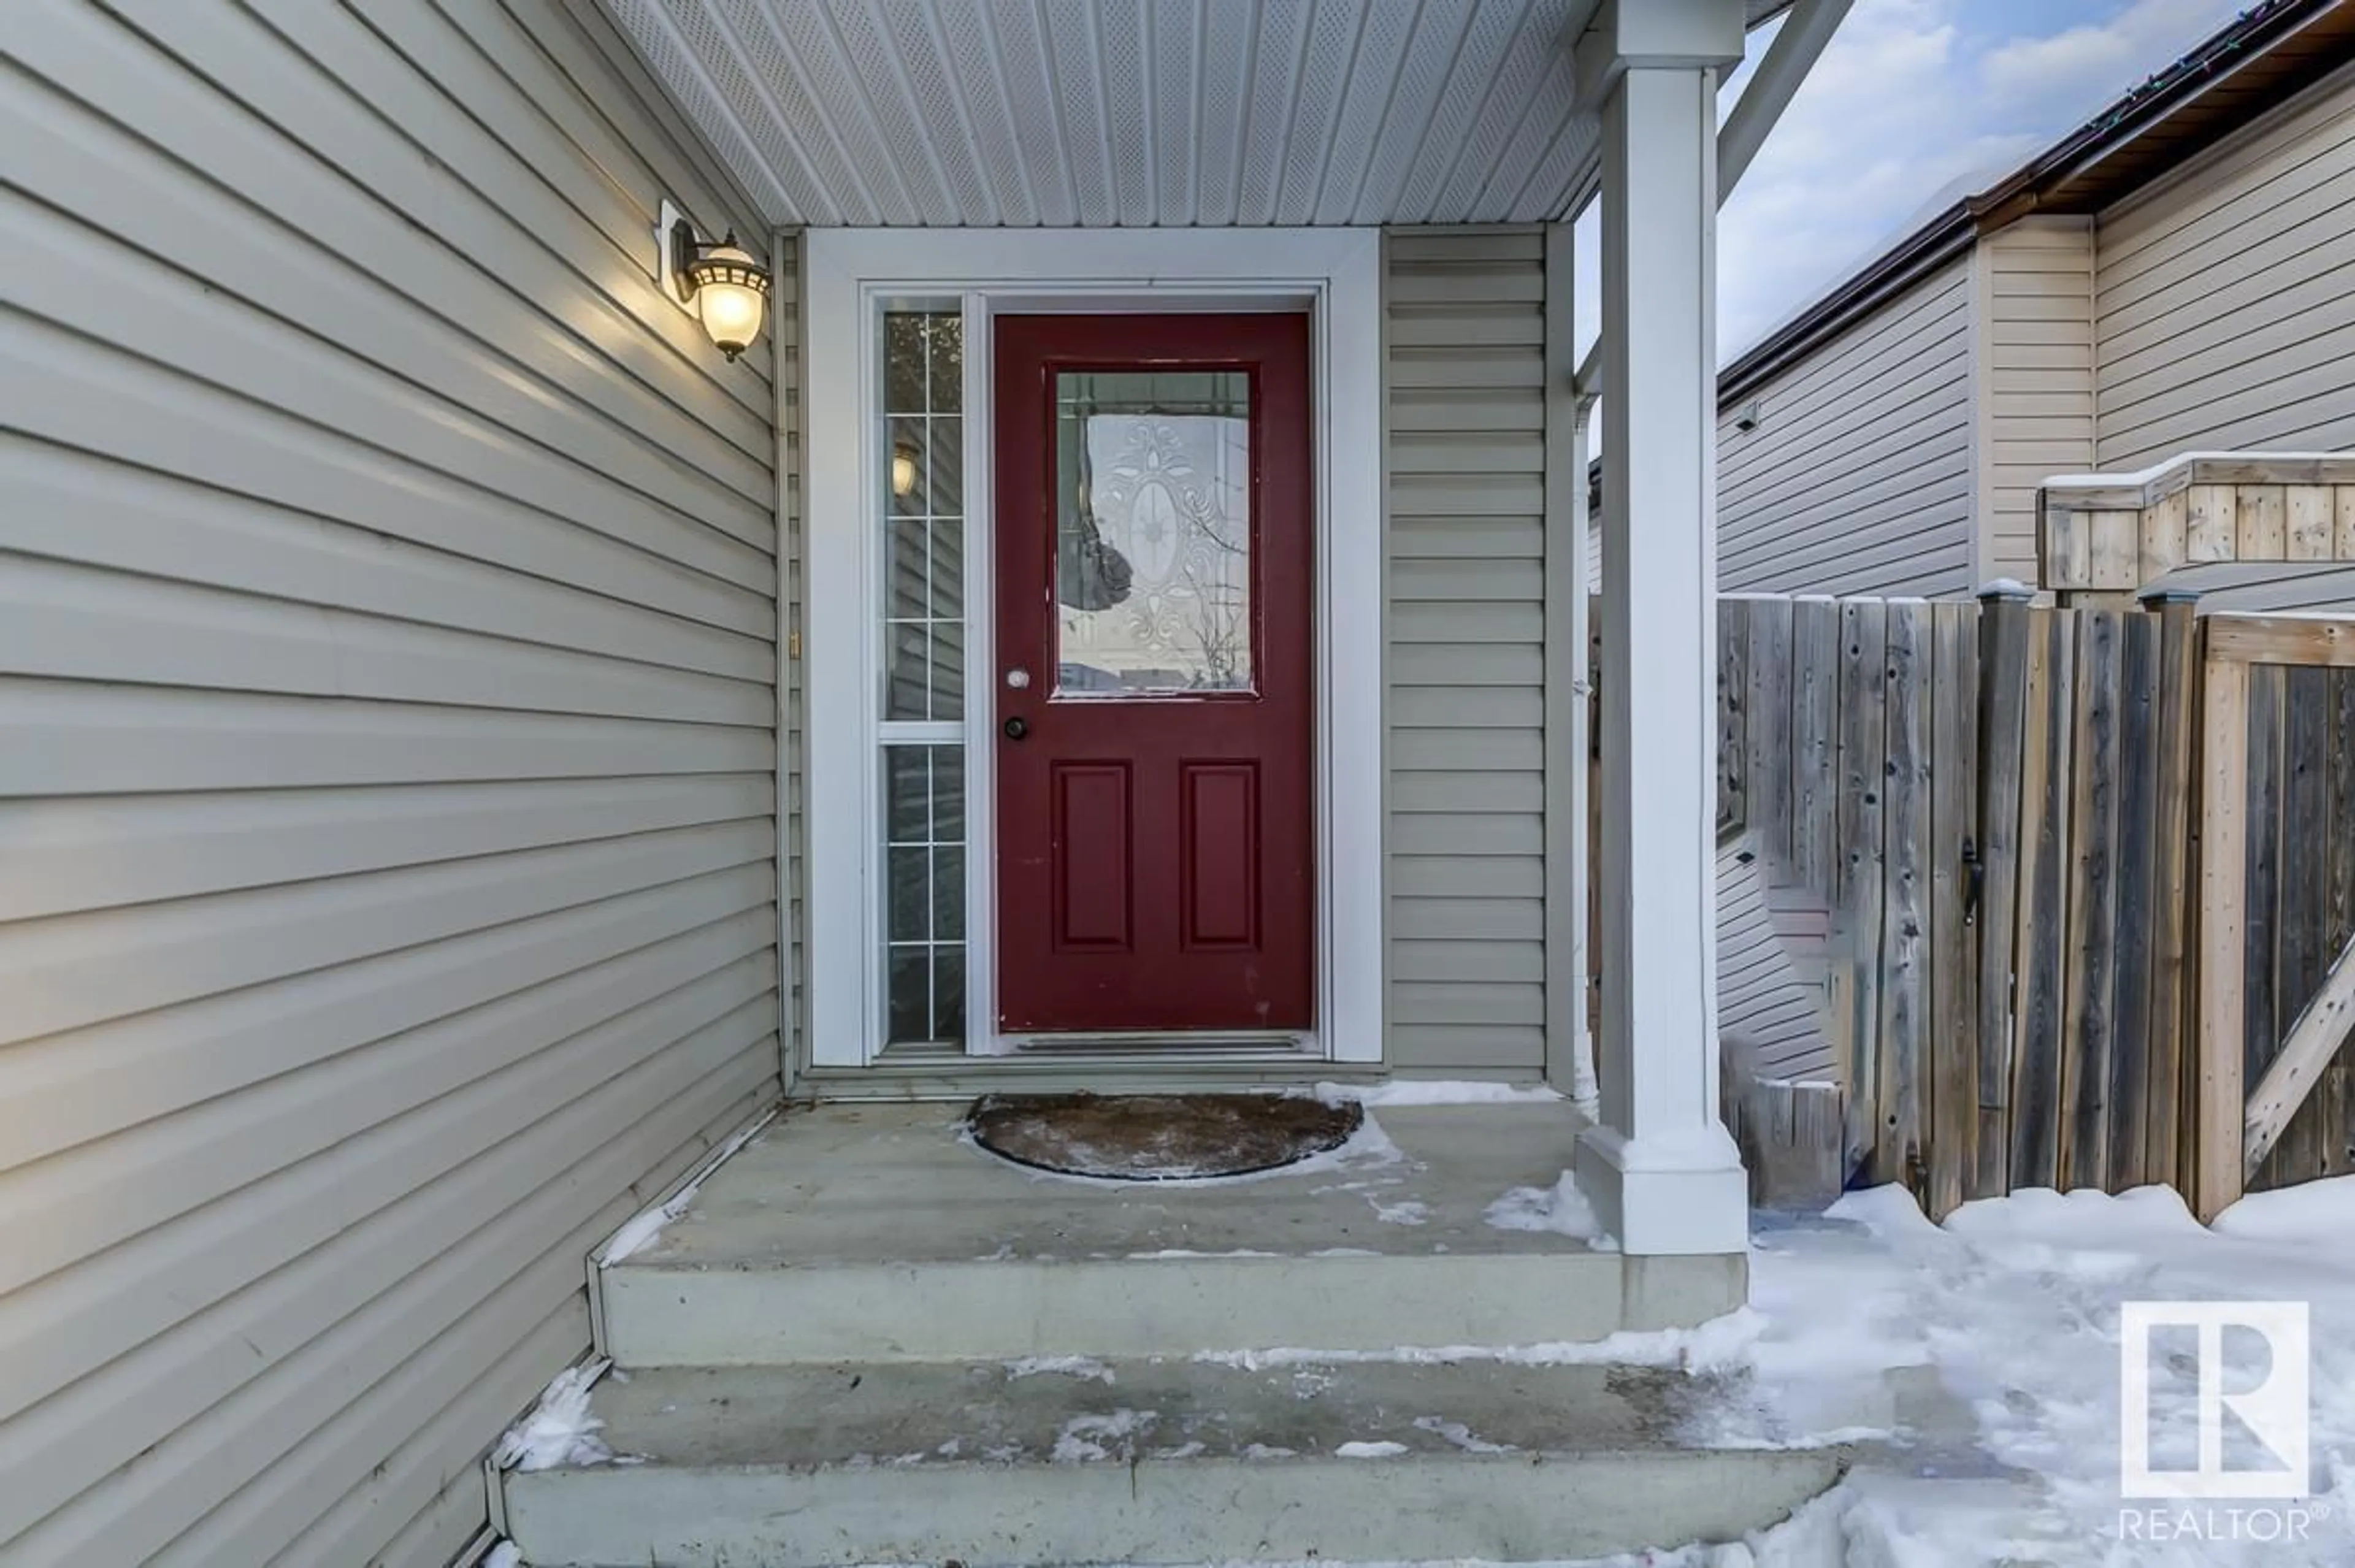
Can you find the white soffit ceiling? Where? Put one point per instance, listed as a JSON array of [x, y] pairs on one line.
[[1098, 112]]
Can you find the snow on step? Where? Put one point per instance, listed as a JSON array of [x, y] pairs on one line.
[[1149, 1461], [874, 1232]]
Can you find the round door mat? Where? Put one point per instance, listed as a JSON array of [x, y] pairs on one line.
[[1159, 1137]]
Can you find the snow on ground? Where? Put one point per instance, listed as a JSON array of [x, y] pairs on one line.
[[2012, 1307], [1436, 1092], [1081, 1367], [1561, 1209], [1383, 1450], [639, 1231], [559, 1430]]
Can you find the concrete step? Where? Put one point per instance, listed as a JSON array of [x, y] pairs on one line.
[[1148, 1462], [873, 1233]]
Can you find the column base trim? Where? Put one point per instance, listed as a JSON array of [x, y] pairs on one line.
[[1667, 1198]]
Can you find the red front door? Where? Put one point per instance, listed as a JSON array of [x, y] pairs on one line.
[[1156, 860]]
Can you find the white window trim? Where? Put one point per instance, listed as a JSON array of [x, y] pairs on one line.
[[850, 274]]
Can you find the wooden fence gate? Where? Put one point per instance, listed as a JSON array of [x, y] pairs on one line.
[[2002, 805]]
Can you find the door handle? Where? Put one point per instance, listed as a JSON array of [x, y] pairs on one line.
[[1017, 727]]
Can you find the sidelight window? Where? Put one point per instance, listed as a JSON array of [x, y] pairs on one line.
[[920, 504]]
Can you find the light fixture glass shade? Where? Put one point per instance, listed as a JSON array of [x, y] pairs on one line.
[[903, 469], [731, 295]]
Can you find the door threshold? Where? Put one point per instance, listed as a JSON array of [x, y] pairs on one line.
[[1281, 1045], [1104, 1066]]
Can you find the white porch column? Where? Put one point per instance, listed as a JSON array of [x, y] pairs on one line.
[[1660, 1169]]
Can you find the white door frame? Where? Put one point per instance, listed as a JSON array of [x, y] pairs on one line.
[[851, 275]]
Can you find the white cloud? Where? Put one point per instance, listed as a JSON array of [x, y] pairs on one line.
[[1908, 99], [2080, 69]]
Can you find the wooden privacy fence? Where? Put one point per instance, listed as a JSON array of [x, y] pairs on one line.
[[1995, 802], [2277, 888]]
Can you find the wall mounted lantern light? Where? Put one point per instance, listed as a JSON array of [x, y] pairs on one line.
[[723, 284]]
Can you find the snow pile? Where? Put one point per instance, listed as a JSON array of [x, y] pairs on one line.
[[505, 1554], [1407, 1211], [638, 1233], [1083, 1367], [559, 1430], [1460, 1435], [1561, 1209], [1084, 1438], [1721, 1344], [1370, 1450]]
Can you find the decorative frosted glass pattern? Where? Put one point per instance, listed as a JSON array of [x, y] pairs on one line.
[[1153, 567], [923, 514], [924, 815]]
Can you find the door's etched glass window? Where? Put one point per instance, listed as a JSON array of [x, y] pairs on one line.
[[923, 514], [1153, 556]]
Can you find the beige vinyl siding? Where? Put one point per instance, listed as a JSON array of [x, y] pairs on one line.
[[2225, 302], [1770, 983], [1858, 478], [1465, 686], [2035, 324], [388, 625]]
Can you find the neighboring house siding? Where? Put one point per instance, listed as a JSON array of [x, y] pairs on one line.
[[1859, 476], [1464, 684], [2035, 323], [388, 628], [1770, 982], [2225, 303]]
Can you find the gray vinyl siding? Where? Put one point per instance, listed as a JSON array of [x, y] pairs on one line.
[[2035, 315], [388, 652], [1858, 478], [1464, 692], [2225, 303], [1770, 989]]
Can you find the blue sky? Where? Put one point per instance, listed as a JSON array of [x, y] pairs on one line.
[[1910, 96]]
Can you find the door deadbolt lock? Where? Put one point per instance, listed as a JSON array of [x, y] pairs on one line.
[[1017, 727]]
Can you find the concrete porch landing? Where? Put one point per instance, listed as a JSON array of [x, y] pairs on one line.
[[866, 1342], [872, 1233]]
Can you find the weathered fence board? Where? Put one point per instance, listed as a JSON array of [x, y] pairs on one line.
[[2172, 1015], [1732, 709], [1767, 791], [2005, 634], [2040, 951], [2136, 924], [1814, 739], [1903, 960], [1952, 1043], [1857, 890], [2088, 983]]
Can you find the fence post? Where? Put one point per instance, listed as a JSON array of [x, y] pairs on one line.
[[2218, 1102], [2002, 716]]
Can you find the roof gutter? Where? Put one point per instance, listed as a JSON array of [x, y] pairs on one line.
[[1930, 248]]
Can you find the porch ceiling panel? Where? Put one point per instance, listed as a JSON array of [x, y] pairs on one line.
[[1102, 113]]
